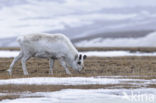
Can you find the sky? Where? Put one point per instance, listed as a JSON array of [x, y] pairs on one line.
[[28, 16]]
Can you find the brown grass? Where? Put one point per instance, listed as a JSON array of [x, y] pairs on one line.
[[94, 66], [9, 97], [47, 88]]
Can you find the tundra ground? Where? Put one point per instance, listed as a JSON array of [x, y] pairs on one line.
[[94, 66], [139, 67]]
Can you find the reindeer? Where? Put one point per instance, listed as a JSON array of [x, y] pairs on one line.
[[51, 46]]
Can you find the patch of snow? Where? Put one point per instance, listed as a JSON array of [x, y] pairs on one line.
[[59, 81], [74, 81], [139, 95], [8, 54], [90, 96], [117, 53]]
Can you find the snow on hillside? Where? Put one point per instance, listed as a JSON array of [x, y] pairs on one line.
[[147, 41]]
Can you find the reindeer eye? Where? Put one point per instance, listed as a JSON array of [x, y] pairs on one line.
[[79, 63]]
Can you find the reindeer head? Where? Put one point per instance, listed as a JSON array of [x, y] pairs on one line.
[[79, 62]]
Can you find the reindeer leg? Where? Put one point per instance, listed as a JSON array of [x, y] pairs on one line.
[[51, 63], [14, 61], [64, 65], [23, 61]]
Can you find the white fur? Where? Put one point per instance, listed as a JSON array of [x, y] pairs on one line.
[[52, 46]]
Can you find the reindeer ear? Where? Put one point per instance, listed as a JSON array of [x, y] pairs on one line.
[[85, 56], [80, 56]]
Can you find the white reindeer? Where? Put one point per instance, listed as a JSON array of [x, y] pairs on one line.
[[51, 46]]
